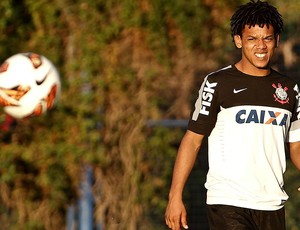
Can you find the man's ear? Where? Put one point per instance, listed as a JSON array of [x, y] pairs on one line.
[[277, 41], [238, 41]]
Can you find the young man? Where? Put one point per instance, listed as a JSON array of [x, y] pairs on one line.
[[249, 112]]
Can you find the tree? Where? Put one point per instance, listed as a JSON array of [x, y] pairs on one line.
[[122, 64]]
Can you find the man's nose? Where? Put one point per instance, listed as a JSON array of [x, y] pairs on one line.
[[261, 43]]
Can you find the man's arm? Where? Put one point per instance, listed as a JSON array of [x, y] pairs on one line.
[[295, 154], [175, 213]]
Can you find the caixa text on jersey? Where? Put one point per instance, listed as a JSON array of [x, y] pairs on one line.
[[261, 117]]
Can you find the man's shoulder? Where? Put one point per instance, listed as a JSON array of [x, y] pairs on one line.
[[222, 70], [284, 77], [220, 73]]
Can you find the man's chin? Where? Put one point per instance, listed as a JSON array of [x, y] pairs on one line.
[[263, 67]]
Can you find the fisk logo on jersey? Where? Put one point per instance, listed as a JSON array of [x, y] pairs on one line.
[[207, 97], [261, 117], [204, 101]]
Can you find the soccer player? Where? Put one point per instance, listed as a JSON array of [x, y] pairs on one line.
[[250, 114]]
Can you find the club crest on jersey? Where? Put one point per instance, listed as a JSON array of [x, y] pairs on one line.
[[280, 94]]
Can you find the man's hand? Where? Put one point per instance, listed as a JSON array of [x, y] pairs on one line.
[[175, 215]]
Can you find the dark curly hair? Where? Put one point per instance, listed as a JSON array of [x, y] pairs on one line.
[[256, 13]]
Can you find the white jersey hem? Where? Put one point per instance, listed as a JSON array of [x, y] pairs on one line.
[[243, 204]]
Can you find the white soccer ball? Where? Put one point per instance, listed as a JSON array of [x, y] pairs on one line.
[[29, 85]]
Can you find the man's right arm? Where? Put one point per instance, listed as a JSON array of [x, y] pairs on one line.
[[175, 213]]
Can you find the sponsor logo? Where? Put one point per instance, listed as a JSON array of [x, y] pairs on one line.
[[280, 94], [261, 117], [204, 101], [207, 97], [239, 90]]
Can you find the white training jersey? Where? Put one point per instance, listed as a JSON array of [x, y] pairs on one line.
[[248, 120]]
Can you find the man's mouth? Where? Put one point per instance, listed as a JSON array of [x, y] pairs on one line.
[[259, 55]]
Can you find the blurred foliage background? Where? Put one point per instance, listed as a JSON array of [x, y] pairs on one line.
[[122, 63]]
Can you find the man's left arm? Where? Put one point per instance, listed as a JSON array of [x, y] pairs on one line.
[[295, 154]]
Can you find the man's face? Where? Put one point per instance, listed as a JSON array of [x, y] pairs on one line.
[[258, 45]]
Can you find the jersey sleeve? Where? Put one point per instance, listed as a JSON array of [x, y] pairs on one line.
[[294, 132], [204, 115]]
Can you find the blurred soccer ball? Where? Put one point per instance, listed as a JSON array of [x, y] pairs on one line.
[[29, 85]]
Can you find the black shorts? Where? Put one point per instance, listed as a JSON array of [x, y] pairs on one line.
[[224, 217]]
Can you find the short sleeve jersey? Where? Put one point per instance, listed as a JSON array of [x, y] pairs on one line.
[[247, 120]]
